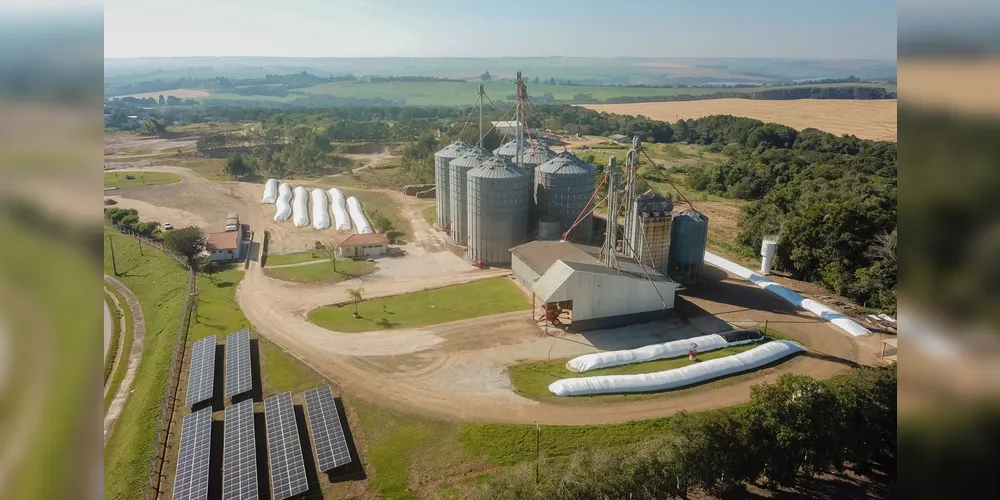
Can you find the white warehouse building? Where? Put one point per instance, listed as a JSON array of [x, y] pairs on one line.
[[568, 277]]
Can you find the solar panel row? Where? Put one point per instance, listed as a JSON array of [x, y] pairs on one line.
[[201, 375], [238, 376], [191, 478], [287, 467], [239, 457], [328, 436]]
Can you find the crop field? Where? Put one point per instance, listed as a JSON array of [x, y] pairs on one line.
[[464, 93], [869, 119]]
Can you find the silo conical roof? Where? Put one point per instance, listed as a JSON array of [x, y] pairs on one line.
[[537, 155], [473, 156], [509, 148], [453, 150], [566, 164], [497, 167]]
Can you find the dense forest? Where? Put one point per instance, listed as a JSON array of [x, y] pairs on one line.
[[830, 200]]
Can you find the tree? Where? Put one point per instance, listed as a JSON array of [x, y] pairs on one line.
[[152, 126], [536, 80], [330, 252], [552, 81], [356, 295], [188, 242], [379, 221], [236, 166], [486, 77], [161, 101]]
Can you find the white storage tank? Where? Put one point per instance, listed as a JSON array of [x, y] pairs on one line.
[[768, 248]]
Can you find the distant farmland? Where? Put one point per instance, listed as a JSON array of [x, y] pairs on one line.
[[464, 93], [873, 119]]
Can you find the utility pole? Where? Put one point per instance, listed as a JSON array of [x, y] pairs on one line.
[[139, 241], [481, 94], [114, 265], [611, 234]]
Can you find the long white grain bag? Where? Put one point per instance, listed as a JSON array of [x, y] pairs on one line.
[[358, 216], [321, 216], [665, 350], [270, 191], [338, 205], [300, 207], [679, 377], [819, 309], [283, 210]]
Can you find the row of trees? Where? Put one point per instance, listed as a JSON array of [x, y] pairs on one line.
[[129, 219], [773, 94], [795, 427]]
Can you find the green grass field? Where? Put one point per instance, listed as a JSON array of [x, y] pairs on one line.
[[321, 271], [160, 283], [293, 258], [429, 307], [118, 179], [119, 374], [464, 93]]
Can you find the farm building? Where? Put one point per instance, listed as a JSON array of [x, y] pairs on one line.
[[506, 128], [223, 246], [568, 277], [363, 245], [619, 138]]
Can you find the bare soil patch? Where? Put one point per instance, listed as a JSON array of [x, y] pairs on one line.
[[870, 119]]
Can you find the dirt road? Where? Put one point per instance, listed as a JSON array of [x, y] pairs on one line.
[[134, 357], [458, 370]]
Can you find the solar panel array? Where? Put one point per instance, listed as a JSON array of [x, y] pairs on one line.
[[201, 376], [191, 479], [287, 467], [327, 430], [239, 456], [238, 377]]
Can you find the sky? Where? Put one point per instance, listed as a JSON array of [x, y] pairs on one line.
[[841, 29]]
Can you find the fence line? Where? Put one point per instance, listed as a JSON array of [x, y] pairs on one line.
[[155, 473]]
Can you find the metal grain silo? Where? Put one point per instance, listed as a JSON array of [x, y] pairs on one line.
[[459, 168], [509, 149], [442, 191], [548, 229], [531, 158], [563, 188], [498, 210], [688, 237]]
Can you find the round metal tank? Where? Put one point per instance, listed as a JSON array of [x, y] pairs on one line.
[[532, 157], [459, 211], [563, 188], [441, 178], [688, 237], [548, 229], [498, 210], [509, 149]]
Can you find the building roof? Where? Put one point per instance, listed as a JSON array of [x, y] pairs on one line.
[[356, 240], [541, 255], [617, 137], [554, 284], [228, 240]]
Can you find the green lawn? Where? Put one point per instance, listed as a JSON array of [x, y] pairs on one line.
[[293, 258], [464, 93], [217, 312], [118, 180], [321, 272], [429, 307], [160, 283], [119, 374]]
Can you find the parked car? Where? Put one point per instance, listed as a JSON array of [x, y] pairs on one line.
[[167, 226]]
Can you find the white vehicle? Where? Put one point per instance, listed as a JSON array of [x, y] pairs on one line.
[[168, 226]]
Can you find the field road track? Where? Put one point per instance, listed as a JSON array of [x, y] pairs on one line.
[[458, 370], [134, 356]]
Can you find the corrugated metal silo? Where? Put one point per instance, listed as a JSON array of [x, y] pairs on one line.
[[531, 158], [548, 229], [498, 210], [688, 238], [459, 211], [442, 191], [563, 186]]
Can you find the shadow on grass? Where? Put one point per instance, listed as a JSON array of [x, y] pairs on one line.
[[312, 478], [354, 471]]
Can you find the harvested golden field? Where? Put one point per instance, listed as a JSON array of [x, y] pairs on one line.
[[965, 86], [874, 119]]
